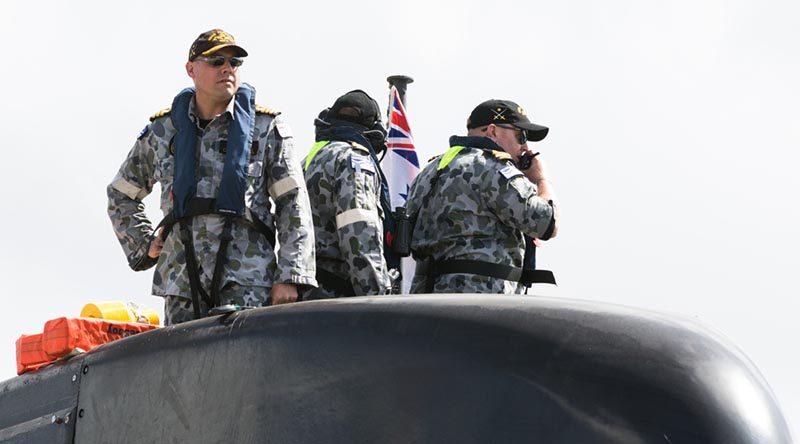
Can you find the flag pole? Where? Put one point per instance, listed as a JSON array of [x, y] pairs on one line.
[[400, 82]]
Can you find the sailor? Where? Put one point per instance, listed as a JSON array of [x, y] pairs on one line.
[[219, 158], [472, 207], [348, 199]]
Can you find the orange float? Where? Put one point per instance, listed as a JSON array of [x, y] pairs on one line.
[[65, 337]]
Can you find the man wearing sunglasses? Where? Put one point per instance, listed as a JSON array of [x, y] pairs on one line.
[[231, 188], [473, 207]]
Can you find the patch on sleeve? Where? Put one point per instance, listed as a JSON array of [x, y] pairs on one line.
[[144, 132], [283, 130], [510, 172], [129, 189], [361, 163]]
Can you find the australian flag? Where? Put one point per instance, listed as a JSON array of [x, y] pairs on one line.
[[400, 165]]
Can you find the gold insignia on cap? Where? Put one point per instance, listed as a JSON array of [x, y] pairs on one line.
[[501, 155], [265, 110], [162, 113], [220, 36], [499, 114], [521, 111]]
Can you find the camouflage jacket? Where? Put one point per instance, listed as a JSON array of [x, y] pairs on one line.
[[479, 209], [273, 172], [344, 189]]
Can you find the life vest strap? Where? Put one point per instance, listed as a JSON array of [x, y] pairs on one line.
[[191, 268], [199, 206], [431, 269], [222, 258]]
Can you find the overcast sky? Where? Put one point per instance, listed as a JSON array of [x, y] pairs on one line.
[[673, 143]]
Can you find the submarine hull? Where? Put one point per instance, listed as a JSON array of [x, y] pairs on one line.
[[411, 369]]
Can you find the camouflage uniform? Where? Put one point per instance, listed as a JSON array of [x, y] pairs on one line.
[[344, 189], [479, 209], [252, 265]]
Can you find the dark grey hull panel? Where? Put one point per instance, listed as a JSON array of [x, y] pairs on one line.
[[424, 369]]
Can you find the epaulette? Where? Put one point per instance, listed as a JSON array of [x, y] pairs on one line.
[[162, 113], [264, 110], [501, 155]]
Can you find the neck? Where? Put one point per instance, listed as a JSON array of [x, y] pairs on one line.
[[207, 108]]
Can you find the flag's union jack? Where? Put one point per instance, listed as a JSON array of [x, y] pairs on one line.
[[401, 164]]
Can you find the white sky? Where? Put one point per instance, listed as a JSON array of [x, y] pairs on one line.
[[673, 143]]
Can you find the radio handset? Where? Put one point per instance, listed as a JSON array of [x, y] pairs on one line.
[[526, 160]]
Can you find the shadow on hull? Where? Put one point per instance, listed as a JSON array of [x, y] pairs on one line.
[[421, 369]]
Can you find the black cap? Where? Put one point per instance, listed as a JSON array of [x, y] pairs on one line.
[[506, 112], [212, 41], [356, 107]]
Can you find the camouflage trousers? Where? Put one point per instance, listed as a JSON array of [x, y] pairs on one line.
[[179, 309]]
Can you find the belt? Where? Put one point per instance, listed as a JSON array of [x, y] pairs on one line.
[[432, 268]]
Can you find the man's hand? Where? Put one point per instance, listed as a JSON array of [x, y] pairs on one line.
[[537, 170], [156, 245], [283, 293]]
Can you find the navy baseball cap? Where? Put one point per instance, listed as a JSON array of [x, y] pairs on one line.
[[505, 112], [212, 41]]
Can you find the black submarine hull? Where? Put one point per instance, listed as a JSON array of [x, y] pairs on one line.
[[406, 369]]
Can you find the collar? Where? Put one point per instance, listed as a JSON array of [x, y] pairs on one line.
[[228, 110], [345, 134], [483, 143]]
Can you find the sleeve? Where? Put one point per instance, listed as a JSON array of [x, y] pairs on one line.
[[295, 229], [133, 182], [513, 198], [359, 226]]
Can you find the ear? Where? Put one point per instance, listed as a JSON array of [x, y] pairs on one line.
[[190, 69], [491, 131]]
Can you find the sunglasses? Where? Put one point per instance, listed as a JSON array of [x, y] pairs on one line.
[[522, 135], [217, 61]]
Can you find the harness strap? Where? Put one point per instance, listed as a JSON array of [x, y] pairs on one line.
[[432, 269], [335, 283], [191, 267], [222, 258], [199, 206]]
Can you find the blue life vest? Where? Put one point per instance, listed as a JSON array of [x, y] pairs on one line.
[[230, 196]]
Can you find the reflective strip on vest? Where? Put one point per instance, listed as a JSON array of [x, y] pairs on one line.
[[282, 187], [448, 157], [314, 150], [355, 215]]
